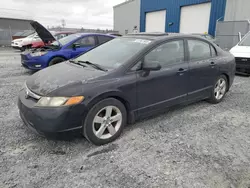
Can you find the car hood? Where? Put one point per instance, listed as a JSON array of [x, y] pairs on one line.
[[42, 32], [58, 76], [241, 51]]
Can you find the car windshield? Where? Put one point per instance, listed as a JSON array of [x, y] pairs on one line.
[[27, 33], [31, 36], [66, 40], [245, 41], [115, 52]]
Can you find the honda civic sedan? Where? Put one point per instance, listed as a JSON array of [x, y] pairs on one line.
[[128, 78]]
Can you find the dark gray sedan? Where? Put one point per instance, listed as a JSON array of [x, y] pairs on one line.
[[130, 77]]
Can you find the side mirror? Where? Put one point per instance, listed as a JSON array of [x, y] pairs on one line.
[[76, 45], [240, 37], [151, 66]]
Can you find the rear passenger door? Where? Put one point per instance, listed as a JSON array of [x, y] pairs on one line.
[[202, 68], [103, 39]]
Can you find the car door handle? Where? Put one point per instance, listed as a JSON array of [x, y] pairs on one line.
[[212, 64], [181, 71]]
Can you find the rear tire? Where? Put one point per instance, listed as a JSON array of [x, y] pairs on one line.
[[56, 60], [105, 121], [219, 90]]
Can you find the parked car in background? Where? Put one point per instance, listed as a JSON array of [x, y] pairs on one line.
[[61, 50], [24, 43], [241, 52], [57, 36], [130, 77], [22, 34]]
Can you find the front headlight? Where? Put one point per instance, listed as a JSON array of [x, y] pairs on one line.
[[35, 54], [59, 101]]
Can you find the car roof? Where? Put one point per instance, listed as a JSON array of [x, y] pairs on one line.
[[159, 36], [83, 34]]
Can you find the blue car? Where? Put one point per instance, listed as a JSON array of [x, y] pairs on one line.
[[58, 51]]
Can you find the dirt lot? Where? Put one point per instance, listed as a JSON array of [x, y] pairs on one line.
[[197, 146]]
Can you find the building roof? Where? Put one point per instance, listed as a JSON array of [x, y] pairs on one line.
[[7, 18], [126, 2]]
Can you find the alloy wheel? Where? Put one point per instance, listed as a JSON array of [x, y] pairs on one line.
[[220, 88], [107, 122]]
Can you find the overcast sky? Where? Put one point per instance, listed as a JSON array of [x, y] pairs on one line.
[[77, 13]]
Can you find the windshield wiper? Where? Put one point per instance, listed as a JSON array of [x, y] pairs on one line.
[[76, 62], [99, 67]]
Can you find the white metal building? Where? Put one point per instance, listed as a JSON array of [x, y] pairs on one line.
[[127, 16]]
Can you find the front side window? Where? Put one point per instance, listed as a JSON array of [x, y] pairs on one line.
[[198, 50], [86, 41], [167, 54]]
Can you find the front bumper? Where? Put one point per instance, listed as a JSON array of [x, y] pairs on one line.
[[242, 65], [34, 63], [45, 120]]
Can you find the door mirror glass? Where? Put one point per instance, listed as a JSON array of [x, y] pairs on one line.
[[151, 66]]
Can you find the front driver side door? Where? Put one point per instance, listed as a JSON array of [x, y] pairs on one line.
[[83, 45], [167, 86]]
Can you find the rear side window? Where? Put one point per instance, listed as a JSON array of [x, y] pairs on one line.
[[198, 50], [213, 51], [103, 39], [167, 54]]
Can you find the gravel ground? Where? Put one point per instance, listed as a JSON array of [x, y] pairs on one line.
[[197, 146]]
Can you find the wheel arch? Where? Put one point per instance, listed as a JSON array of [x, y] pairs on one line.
[[228, 80], [116, 95], [55, 56]]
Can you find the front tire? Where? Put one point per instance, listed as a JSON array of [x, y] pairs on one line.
[[56, 60], [105, 121], [219, 90]]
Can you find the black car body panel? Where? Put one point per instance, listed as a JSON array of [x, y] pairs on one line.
[[60, 76], [141, 92]]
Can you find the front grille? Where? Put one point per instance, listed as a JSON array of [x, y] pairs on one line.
[[242, 61]]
